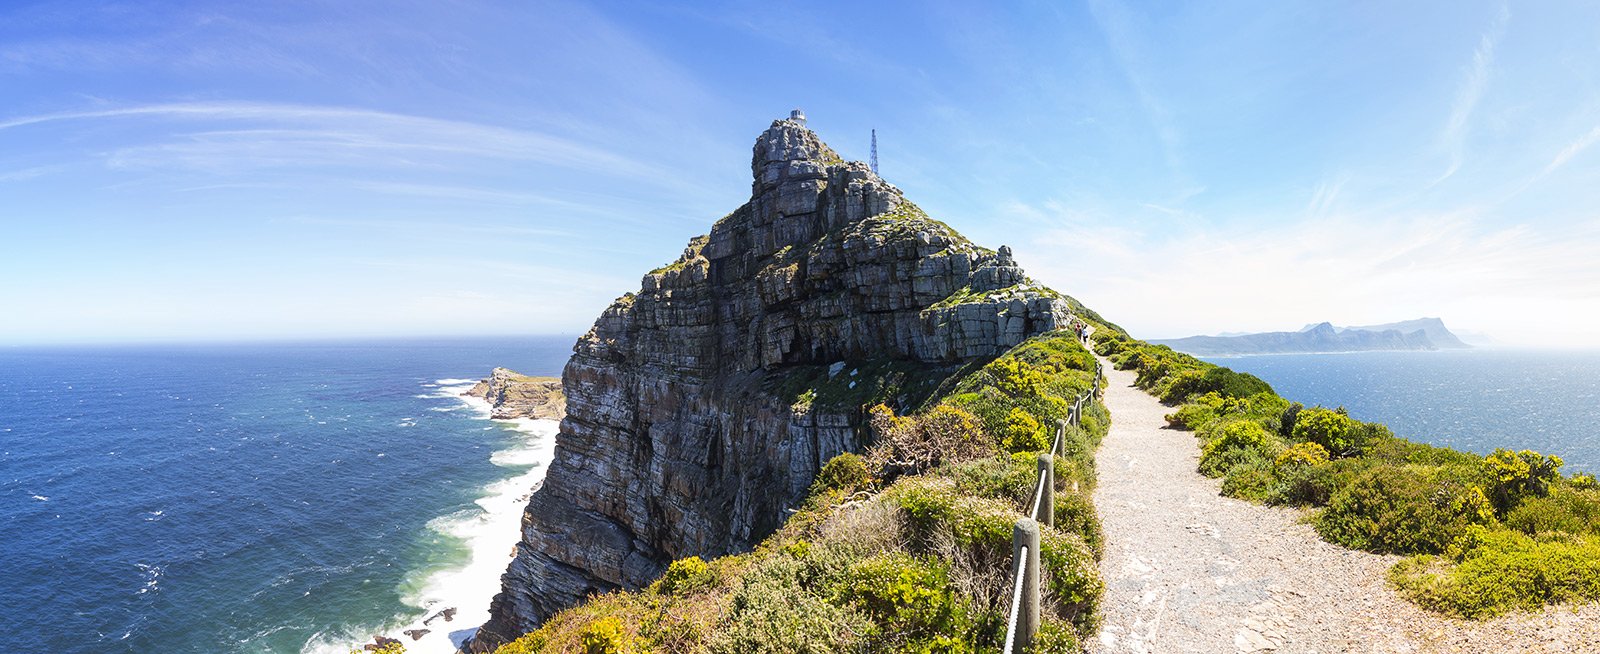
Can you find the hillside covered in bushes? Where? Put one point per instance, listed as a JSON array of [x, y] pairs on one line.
[[905, 547]]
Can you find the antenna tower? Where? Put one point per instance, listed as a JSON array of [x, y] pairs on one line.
[[874, 151]]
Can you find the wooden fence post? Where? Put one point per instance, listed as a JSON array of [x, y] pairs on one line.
[[1025, 546], [1047, 496]]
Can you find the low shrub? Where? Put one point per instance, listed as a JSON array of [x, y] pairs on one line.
[[1056, 637], [1236, 442], [1391, 509], [1015, 378], [912, 445], [1286, 419], [1300, 455], [1071, 580], [683, 576], [845, 473], [1075, 514], [1399, 451], [1331, 429], [1208, 378], [1584, 481], [605, 636], [778, 607], [1518, 475], [1005, 477], [1491, 572], [1023, 433], [910, 602], [1252, 479], [1566, 508], [935, 509], [1312, 485]]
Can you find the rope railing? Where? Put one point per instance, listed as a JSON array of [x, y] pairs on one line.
[[1016, 599], [1022, 624]]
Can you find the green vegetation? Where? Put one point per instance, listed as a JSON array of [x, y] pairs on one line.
[[1482, 535], [903, 548], [390, 648], [965, 295], [859, 384]]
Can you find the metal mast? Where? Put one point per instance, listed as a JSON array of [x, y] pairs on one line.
[[874, 151]]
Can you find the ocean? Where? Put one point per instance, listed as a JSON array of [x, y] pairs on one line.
[[1475, 400], [258, 498], [300, 498]]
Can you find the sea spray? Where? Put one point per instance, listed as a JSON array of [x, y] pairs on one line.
[[482, 537]]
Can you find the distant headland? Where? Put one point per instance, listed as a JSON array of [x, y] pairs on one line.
[[1323, 337]]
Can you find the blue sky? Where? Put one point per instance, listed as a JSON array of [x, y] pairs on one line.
[[182, 171]]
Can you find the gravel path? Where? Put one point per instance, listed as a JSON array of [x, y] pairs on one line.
[[1188, 570]]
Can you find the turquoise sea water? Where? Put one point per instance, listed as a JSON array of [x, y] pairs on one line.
[[1474, 400], [253, 498]]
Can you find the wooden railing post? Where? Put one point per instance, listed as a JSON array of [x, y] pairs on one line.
[[1047, 496], [1025, 549]]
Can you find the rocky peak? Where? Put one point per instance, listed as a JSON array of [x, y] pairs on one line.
[[802, 189], [789, 151], [688, 431]]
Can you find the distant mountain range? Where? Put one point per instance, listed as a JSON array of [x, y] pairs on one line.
[[1419, 334]]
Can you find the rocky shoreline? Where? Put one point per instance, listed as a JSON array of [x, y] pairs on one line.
[[512, 395]]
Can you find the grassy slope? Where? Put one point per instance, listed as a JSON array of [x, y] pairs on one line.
[[1483, 535], [904, 548]]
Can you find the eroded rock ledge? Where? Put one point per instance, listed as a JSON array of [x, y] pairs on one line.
[[512, 395], [702, 406]]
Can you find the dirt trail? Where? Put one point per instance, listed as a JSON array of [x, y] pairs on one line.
[[1188, 570]]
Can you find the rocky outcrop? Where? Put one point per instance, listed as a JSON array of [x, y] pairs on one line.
[[511, 395], [702, 406]]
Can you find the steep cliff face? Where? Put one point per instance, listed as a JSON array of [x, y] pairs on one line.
[[701, 407], [511, 395]]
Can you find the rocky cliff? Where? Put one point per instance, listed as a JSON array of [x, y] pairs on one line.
[[700, 407], [511, 395]]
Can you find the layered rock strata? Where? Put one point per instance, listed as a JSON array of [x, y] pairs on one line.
[[692, 411], [511, 395]]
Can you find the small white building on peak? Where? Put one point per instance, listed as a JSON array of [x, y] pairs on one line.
[[798, 116]]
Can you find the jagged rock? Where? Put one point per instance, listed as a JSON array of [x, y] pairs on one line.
[[511, 395], [380, 642], [681, 438]]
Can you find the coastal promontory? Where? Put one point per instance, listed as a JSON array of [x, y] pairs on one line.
[[513, 395]]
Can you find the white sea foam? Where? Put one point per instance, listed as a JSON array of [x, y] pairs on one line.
[[488, 532], [152, 577]]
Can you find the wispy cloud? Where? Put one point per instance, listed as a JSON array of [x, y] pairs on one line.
[[306, 134], [433, 228], [29, 173], [1325, 197], [1572, 150], [1471, 91], [1117, 27]]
